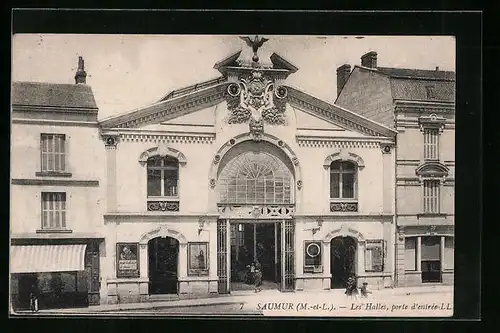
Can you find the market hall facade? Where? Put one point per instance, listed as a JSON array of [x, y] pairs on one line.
[[239, 169]]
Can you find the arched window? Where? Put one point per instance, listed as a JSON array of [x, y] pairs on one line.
[[342, 180], [163, 176], [255, 178]]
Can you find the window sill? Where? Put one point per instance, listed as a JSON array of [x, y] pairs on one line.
[[424, 215], [54, 231], [53, 174], [163, 198]]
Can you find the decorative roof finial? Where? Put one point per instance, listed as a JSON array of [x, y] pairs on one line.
[[255, 44]]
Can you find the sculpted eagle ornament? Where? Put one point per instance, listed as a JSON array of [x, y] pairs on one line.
[[255, 44]]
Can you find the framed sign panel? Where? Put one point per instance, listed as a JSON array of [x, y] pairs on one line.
[[127, 260], [374, 256], [313, 253], [198, 258]]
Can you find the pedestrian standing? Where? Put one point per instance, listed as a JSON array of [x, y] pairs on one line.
[[352, 288], [258, 276], [33, 299]]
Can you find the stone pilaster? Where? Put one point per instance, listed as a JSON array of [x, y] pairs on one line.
[[388, 169], [419, 253], [111, 142], [400, 258]]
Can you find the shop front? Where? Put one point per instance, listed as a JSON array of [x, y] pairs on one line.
[[58, 274]]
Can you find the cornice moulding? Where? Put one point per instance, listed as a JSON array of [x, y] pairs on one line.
[[46, 122], [63, 109], [172, 107]]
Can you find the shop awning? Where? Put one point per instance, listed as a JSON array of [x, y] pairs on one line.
[[47, 258]]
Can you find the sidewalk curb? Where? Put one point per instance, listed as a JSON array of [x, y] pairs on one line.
[[85, 311]]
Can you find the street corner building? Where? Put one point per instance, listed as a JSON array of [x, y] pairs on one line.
[[56, 203], [179, 198], [420, 105]]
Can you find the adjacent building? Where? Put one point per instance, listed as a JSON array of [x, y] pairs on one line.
[[56, 205], [420, 105]]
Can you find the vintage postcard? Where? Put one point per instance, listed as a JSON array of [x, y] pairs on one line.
[[232, 175]]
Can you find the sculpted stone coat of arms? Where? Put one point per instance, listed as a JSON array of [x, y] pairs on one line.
[[255, 99]]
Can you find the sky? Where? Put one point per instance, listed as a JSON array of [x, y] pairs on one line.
[[130, 71]]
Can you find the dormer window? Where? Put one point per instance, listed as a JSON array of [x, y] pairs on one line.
[[430, 92]]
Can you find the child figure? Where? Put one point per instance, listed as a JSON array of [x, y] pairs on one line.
[[364, 290]]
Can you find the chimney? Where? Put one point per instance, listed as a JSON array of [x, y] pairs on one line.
[[81, 75], [369, 60], [437, 68], [342, 76]]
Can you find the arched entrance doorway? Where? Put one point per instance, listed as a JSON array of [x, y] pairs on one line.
[[163, 255], [256, 198], [342, 260]]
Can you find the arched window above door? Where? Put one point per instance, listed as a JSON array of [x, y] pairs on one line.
[[255, 178]]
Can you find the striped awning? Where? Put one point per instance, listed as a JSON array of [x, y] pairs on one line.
[[47, 258]]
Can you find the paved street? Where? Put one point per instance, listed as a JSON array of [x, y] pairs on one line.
[[424, 302]]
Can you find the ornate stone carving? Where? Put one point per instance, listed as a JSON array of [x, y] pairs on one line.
[[432, 230], [299, 184], [265, 211], [168, 206], [254, 97], [344, 231], [162, 150], [111, 140], [432, 121], [216, 159], [343, 206], [344, 155], [256, 129], [386, 149], [401, 233], [212, 183]]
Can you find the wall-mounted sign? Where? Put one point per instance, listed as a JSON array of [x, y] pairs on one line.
[[127, 260], [313, 257], [198, 258], [374, 256]]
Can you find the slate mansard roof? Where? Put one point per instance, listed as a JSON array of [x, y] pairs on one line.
[[413, 84], [67, 96]]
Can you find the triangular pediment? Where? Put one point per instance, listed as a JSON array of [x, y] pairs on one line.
[[308, 121], [334, 117], [196, 109]]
